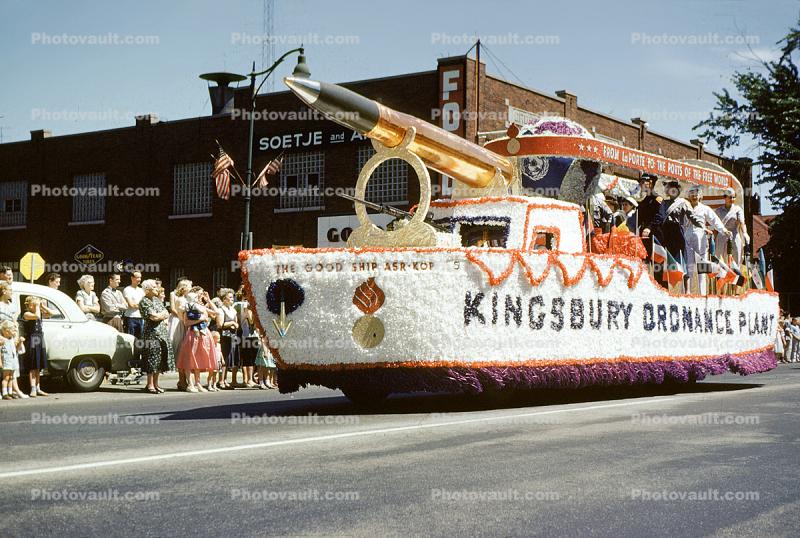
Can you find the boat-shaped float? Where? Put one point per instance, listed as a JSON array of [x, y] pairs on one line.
[[493, 288]]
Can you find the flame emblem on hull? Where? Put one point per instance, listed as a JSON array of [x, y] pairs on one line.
[[368, 330]]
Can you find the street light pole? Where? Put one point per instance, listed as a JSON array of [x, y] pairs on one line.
[[246, 242], [300, 70]]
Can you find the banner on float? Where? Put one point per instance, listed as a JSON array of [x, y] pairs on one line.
[[476, 308]]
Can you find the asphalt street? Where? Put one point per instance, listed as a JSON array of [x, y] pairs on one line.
[[719, 458]]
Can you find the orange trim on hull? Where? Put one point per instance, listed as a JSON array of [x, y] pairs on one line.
[[488, 364], [516, 255]]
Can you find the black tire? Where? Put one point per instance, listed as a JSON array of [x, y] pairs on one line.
[[86, 374], [365, 397]]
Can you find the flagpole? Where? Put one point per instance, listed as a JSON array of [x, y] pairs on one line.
[[269, 163], [233, 166], [589, 226], [685, 270], [247, 237], [237, 175]]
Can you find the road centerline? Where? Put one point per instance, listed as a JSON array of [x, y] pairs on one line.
[[312, 439]]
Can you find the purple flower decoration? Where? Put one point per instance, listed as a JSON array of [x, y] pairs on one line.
[[555, 125], [558, 128]]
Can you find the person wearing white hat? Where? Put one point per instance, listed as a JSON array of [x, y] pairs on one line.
[[732, 217], [629, 206], [697, 236]]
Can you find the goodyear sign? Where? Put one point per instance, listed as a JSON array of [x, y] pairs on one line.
[[89, 255]]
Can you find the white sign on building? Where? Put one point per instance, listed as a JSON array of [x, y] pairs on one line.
[[334, 231]]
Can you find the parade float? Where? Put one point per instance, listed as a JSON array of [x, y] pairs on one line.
[[495, 288]]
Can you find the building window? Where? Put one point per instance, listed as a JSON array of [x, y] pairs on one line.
[[219, 279], [303, 181], [191, 189], [13, 203], [389, 182], [89, 202]]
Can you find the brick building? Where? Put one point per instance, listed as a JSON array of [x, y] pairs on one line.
[[760, 230], [185, 229]]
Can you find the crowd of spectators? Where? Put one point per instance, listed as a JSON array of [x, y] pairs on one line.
[[208, 340]]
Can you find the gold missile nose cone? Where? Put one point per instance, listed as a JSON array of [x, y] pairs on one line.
[[305, 89]]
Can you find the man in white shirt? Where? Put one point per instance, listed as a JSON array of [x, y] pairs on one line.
[[696, 235], [793, 329], [132, 318], [112, 303]]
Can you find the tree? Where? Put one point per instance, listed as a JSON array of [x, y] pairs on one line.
[[768, 110]]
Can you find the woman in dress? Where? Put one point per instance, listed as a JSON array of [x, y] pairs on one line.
[[227, 325], [732, 217], [175, 324], [198, 353], [780, 342], [787, 338], [36, 356], [157, 356], [86, 297], [246, 334]]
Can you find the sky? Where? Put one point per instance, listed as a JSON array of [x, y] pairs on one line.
[[659, 60]]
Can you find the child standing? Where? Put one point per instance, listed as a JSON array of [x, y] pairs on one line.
[[266, 367], [9, 360], [36, 357]]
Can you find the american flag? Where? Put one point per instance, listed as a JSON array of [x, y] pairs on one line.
[[272, 168], [222, 174]]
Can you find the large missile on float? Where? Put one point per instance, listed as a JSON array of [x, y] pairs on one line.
[[444, 152]]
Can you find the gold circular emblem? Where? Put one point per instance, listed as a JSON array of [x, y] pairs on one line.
[[513, 146], [368, 331]]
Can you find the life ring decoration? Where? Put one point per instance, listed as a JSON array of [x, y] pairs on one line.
[[416, 232]]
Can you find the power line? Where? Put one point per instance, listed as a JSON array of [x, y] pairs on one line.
[[496, 66], [503, 64]]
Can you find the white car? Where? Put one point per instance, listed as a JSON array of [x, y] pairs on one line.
[[80, 349]]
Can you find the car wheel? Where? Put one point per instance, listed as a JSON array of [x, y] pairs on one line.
[[86, 374]]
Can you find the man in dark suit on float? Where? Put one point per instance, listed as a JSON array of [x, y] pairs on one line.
[[650, 216], [649, 219]]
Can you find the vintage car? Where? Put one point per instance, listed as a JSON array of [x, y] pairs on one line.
[[79, 349]]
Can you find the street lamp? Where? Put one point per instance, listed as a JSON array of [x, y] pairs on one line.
[[301, 70]]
